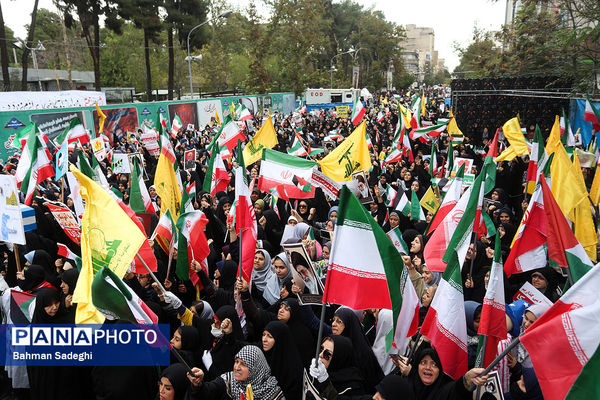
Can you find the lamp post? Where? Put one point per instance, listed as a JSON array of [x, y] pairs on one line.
[[225, 14], [39, 47], [331, 63]]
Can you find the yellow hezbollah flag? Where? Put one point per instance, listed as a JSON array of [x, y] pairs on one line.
[[514, 135], [595, 189], [108, 238], [217, 120], [429, 201], [583, 222], [101, 118], [406, 115], [453, 129], [264, 138], [167, 188], [350, 156], [567, 188]]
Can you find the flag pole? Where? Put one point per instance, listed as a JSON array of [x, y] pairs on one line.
[[240, 255], [472, 256], [499, 358], [480, 363], [320, 334], [181, 359], [170, 259], [151, 273], [17, 259]]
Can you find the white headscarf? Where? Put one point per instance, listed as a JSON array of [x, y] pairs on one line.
[[261, 277], [384, 325], [272, 291]]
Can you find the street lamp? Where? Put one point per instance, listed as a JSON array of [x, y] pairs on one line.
[[331, 63], [39, 47], [225, 14]]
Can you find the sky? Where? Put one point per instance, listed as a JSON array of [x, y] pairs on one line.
[[452, 21]]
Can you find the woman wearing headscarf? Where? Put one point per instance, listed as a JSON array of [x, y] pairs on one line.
[[67, 286], [186, 340], [428, 381], [34, 277], [336, 372], [283, 358], [173, 383], [225, 345], [262, 273], [41, 257], [507, 233], [393, 387], [472, 316], [346, 323], [473, 278], [282, 270], [430, 278], [250, 368]]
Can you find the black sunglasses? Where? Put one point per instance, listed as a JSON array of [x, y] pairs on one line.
[[326, 354]]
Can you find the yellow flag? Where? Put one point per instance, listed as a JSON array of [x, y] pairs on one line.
[[595, 189], [167, 188], [567, 187], [583, 222], [350, 156], [453, 128], [101, 118], [264, 138], [514, 135], [406, 115], [217, 120], [108, 238], [429, 201]]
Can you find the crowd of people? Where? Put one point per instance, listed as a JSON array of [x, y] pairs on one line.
[[234, 333]]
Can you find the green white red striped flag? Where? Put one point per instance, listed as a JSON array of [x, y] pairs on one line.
[[279, 169]]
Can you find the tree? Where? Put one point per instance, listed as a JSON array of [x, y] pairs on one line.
[[480, 58], [258, 78], [4, 53], [27, 45]]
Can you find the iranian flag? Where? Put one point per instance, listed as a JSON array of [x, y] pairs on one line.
[[34, 166], [390, 195], [145, 252], [192, 244], [21, 137], [115, 300], [492, 322], [403, 205], [175, 126], [450, 199], [395, 155], [537, 160], [426, 133], [415, 120], [242, 113], [358, 112], [416, 211], [528, 251], [279, 169], [66, 252], [380, 116], [217, 177], [591, 114], [165, 231], [166, 147], [438, 242], [335, 134], [563, 342], [445, 324], [229, 133], [139, 199], [396, 237], [297, 149], [245, 218], [563, 247], [406, 148], [366, 271], [74, 132]]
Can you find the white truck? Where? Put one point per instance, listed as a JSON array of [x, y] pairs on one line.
[[331, 96]]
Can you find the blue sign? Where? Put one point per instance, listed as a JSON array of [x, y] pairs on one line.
[[161, 110], [145, 111], [14, 124], [92, 345]]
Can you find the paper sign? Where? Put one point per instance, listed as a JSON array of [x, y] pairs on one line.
[[121, 164], [531, 295], [458, 161], [150, 141], [341, 111], [11, 223], [98, 148], [66, 219], [190, 160]]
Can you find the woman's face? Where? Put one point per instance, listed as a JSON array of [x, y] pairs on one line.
[[325, 253], [528, 319], [326, 352], [428, 297], [486, 279], [333, 215], [268, 341], [281, 270], [259, 261], [538, 282], [471, 252], [495, 196], [337, 325], [427, 275], [414, 186], [176, 340], [52, 309], [415, 245], [428, 370], [226, 208], [283, 293], [303, 207], [65, 287], [394, 221], [240, 370], [165, 389], [284, 313], [504, 218]]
